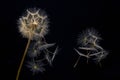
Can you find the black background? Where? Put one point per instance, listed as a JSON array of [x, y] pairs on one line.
[[67, 19]]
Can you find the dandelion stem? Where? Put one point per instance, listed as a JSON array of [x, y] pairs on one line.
[[21, 63], [77, 62]]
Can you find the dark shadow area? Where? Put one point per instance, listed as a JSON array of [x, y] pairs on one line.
[[68, 18]]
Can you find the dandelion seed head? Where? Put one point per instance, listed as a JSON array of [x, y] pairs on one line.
[[34, 24], [89, 41]]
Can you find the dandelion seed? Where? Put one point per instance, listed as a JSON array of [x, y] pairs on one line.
[[100, 56], [35, 67], [81, 54], [48, 58], [87, 48], [45, 46], [55, 53], [33, 50], [33, 53]]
